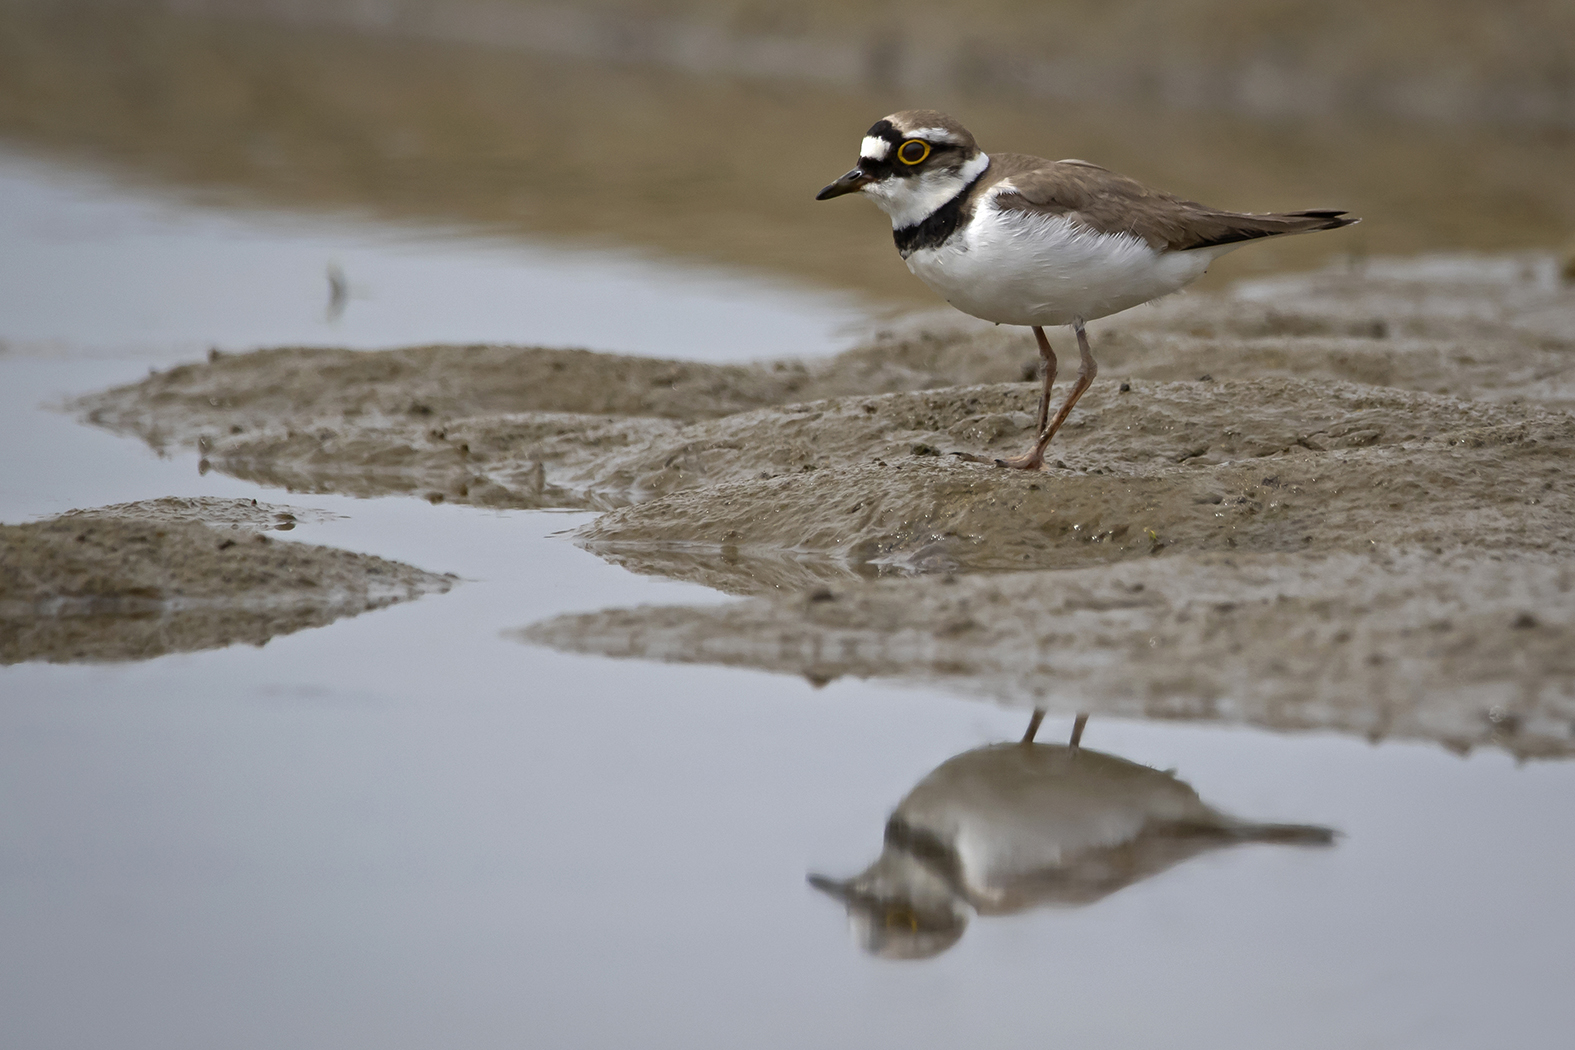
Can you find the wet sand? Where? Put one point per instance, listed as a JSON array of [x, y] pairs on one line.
[[1361, 364], [1339, 500], [138, 580], [1466, 650]]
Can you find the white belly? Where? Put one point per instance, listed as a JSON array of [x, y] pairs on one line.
[[1014, 268]]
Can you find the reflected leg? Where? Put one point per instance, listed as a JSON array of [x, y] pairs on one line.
[[1033, 725], [1077, 731]]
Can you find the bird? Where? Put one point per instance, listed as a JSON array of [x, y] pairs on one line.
[[1020, 240], [1008, 827]]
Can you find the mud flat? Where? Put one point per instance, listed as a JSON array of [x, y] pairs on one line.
[[138, 580], [534, 427], [495, 426], [1340, 500], [1260, 466], [1464, 651]]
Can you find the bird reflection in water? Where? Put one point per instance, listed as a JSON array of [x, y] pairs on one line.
[[1008, 827]]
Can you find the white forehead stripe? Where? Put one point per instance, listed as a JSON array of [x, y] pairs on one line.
[[874, 148], [933, 135]]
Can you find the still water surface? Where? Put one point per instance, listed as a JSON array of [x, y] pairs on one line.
[[90, 268], [408, 830]]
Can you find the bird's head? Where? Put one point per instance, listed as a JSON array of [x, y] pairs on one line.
[[899, 907], [911, 163]]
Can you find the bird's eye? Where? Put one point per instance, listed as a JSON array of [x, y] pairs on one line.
[[913, 151]]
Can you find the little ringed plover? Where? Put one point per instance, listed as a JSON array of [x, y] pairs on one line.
[[1025, 241]]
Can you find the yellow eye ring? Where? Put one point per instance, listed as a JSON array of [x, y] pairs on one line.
[[903, 152]]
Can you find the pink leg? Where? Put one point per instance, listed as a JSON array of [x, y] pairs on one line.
[[1034, 458]]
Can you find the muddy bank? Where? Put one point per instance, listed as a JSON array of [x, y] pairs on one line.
[[1336, 501], [533, 427], [247, 515], [1268, 465], [1317, 538], [493, 425], [1465, 651], [1412, 405], [1483, 327], [135, 581]]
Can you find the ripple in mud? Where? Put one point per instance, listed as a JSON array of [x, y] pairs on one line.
[[139, 580]]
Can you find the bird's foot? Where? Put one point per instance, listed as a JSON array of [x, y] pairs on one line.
[[1034, 460], [1027, 461]]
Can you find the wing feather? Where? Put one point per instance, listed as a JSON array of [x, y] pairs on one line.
[[1106, 202]]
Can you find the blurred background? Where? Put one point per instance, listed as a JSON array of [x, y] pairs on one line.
[[699, 130], [408, 829]]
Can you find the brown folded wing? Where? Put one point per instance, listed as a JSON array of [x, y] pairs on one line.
[[1109, 203]]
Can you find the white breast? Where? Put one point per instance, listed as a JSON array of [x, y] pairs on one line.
[[1021, 268]]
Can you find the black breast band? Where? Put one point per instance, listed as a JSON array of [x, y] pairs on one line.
[[937, 226]]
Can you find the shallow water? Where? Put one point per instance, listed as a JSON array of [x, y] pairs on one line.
[[91, 267], [409, 829]]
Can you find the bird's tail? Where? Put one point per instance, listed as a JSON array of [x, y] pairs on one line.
[[1218, 228], [1286, 834], [1308, 221], [1246, 226]]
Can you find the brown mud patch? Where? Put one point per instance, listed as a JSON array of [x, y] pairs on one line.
[[532, 427], [214, 511], [1339, 501], [1466, 651], [138, 580], [495, 425], [1494, 328], [1264, 465]]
